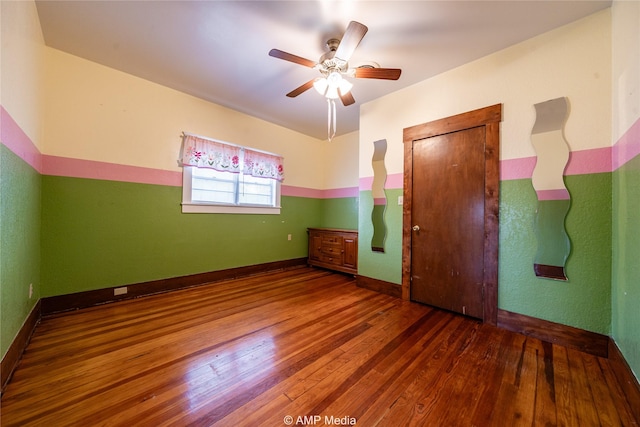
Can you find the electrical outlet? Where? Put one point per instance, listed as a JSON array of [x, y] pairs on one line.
[[288, 236], [30, 290], [120, 291]]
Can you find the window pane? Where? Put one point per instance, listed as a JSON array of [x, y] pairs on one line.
[[211, 186], [257, 191]]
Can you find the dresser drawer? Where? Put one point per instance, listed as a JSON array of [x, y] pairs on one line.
[[332, 249], [331, 240], [330, 259]]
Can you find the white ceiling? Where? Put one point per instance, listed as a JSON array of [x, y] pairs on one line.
[[218, 50]]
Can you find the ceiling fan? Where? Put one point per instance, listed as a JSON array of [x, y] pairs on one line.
[[333, 65]]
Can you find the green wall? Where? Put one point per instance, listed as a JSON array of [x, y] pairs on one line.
[[582, 301], [626, 265], [99, 234], [20, 187], [385, 266], [340, 213]]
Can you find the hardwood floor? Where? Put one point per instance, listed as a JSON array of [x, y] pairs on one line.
[[299, 343]]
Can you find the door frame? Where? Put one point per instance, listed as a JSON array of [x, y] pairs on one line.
[[490, 118]]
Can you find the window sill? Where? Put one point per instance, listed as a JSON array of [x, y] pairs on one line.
[[204, 208]]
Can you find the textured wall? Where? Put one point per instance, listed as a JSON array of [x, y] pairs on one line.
[[340, 213], [21, 110], [582, 301], [626, 180], [626, 269], [98, 234], [20, 188]]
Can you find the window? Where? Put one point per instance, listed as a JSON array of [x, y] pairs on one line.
[[224, 178]]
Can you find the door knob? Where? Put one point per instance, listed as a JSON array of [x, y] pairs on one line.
[[416, 228]]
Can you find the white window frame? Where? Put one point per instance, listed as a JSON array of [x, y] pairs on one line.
[[191, 206]]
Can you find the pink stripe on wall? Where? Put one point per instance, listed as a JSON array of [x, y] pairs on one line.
[[289, 190], [627, 147], [582, 162], [336, 193], [559, 194], [394, 181], [365, 183], [14, 138], [517, 168], [64, 166], [596, 160]]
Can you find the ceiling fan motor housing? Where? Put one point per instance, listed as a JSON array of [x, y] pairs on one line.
[[328, 62]]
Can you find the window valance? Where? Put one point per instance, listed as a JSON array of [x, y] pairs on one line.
[[263, 165], [224, 157]]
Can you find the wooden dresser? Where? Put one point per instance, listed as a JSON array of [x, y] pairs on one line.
[[334, 248]]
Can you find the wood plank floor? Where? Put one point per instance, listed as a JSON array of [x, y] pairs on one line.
[[299, 347]]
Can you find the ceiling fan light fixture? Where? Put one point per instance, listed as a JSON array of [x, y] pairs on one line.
[[332, 92], [332, 86], [321, 85], [334, 78], [345, 86]]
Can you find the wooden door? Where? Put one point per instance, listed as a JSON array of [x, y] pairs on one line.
[[447, 244], [451, 193]]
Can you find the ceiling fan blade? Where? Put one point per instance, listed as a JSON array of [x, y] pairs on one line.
[[347, 98], [303, 88], [350, 41], [378, 73], [276, 53]]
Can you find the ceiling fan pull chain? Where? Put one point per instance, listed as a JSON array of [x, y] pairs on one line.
[[331, 118], [335, 121]]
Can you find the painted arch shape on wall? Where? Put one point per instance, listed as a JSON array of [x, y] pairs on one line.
[[552, 150]]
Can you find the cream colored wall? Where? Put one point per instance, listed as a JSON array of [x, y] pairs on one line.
[[518, 77], [340, 161], [626, 66], [97, 113], [21, 66]]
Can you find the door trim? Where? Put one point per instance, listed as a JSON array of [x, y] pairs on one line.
[[490, 118]]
